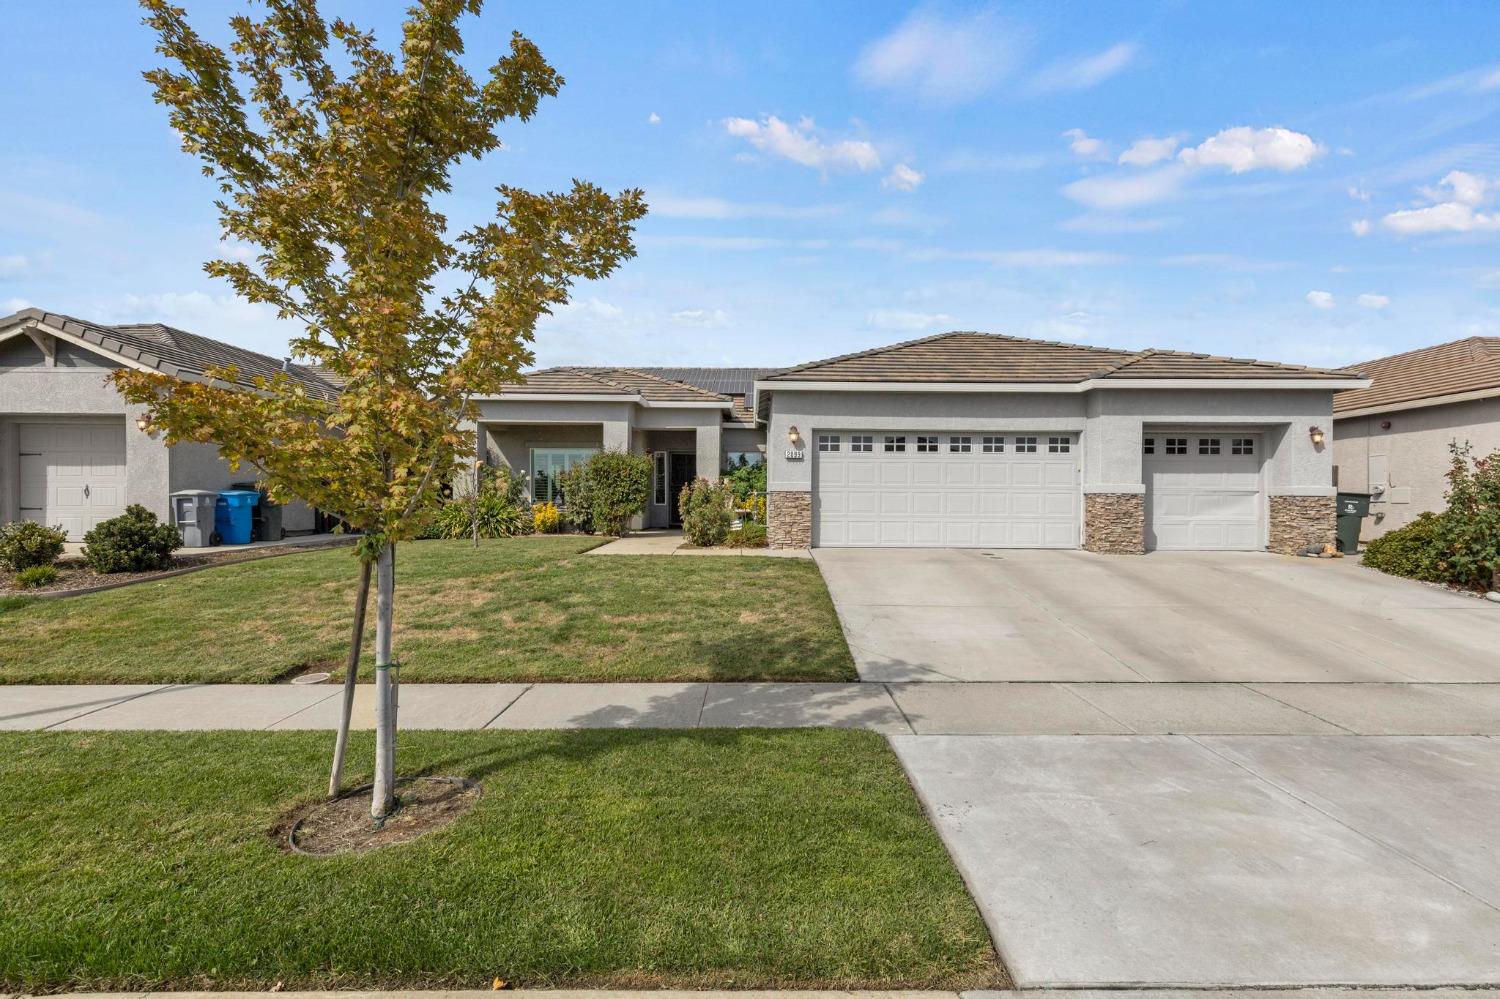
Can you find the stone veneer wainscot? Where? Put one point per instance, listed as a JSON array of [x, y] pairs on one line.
[[1299, 521], [789, 519], [1114, 523]]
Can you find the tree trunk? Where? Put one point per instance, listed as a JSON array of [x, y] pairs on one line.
[[383, 795], [341, 744]]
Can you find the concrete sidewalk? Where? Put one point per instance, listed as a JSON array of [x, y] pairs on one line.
[[975, 709]]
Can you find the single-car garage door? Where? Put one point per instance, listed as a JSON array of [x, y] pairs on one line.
[[72, 474], [1203, 491], [982, 490]]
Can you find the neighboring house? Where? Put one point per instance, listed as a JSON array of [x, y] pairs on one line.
[[71, 449], [1392, 439], [966, 439]]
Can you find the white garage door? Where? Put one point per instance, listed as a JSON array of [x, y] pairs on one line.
[[1203, 492], [72, 474], [993, 490]]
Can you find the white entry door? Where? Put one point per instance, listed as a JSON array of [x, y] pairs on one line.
[[1203, 491], [72, 474], [941, 490]]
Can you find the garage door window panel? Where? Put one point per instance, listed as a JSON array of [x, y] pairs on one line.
[[960, 445], [1025, 445]]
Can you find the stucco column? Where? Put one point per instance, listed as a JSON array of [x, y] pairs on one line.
[[615, 435], [709, 455]]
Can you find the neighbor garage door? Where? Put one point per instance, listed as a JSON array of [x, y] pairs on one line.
[[991, 490], [1203, 491], [72, 474]]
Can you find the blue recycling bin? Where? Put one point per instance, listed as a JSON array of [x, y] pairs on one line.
[[233, 516]]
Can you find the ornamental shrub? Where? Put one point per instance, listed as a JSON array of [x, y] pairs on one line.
[[546, 518], [619, 486], [135, 541], [498, 518], [36, 577], [26, 544], [577, 492], [750, 535], [746, 479], [1470, 529], [707, 512], [1415, 551]]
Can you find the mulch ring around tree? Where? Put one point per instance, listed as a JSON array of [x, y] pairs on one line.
[[343, 825]]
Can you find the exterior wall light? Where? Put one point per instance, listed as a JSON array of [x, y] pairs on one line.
[[143, 423], [793, 436], [1315, 434]]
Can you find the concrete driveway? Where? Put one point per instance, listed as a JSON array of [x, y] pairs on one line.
[[945, 614]]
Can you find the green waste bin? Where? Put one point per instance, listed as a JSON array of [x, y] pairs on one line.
[[1353, 508]]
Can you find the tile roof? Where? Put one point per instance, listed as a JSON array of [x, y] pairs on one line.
[[1469, 365], [612, 381], [725, 381], [995, 357], [176, 352]]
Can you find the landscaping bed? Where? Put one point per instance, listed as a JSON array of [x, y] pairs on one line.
[[727, 859], [73, 574], [521, 609]]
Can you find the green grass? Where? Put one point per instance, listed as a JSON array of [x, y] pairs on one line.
[[648, 858], [527, 609]]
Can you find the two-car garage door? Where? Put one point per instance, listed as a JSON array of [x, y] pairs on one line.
[[989, 490]]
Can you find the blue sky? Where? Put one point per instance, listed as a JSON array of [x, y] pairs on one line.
[[1308, 182]]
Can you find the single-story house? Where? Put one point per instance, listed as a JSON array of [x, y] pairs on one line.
[[73, 452], [1391, 439], [965, 439]]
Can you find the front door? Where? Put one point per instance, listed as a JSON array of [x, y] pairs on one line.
[[683, 469]]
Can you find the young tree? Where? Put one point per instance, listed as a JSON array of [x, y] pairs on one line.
[[328, 162]]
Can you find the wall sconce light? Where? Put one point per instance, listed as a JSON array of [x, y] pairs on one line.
[[793, 436], [143, 423], [1316, 435], [1385, 424]]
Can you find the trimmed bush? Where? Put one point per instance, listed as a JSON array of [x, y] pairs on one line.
[[707, 512], [546, 519], [36, 577], [577, 498], [1415, 551], [619, 488], [135, 541], [26, 545]]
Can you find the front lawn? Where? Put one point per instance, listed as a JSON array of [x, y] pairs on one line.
[[792, 859], [526, 609]]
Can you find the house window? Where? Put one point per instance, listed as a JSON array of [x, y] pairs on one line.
[[828, 442], [743, 459], [1208, 445], [1176, 445], [1242, 445], [659, 487], [862, 442], [927, 445], [1025, 445], [1149, 446], [992, 445], [895, 445], [1059, 445], [547, 463], [960, 445]]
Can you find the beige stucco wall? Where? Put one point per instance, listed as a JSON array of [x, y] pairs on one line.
[[1411, 458]]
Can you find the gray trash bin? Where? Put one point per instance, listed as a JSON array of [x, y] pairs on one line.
[[193, 513]]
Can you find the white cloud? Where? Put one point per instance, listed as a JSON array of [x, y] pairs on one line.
[[13, 265], [234, 249], [1321, 299], [679, 207], [653, 118], [942, 59], [1041, 257], [903, 178], [12, 305], [1081, 144], [897, 319], [1144, 152], [1360, 227], [1113, 223], [1359, 194], [1369, 300], [1243, 148], [1126, 190], [972, 161], [705, 318], [1490, 279], [1457, 199], [1084, 71], [802, 143]]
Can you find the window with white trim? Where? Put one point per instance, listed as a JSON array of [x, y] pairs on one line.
[[1208, 445], [828, 442], [861, 442], [1242, 445], [1148, 446], [927, 445], [547, 463], [1059, 445], [960, 445], [1176, 445], [992, 445], [895, 445], [1026, 445], [659, 486]]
